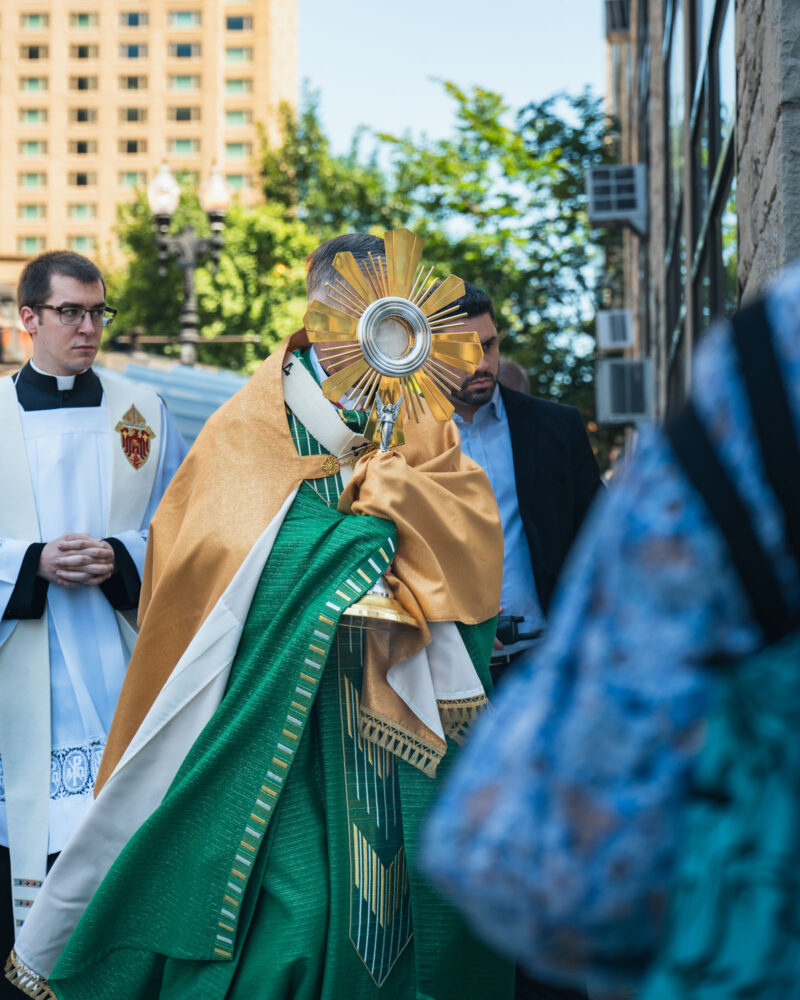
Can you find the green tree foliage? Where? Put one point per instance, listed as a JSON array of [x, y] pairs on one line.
[[330, 193], [260, 287], [258, 290]]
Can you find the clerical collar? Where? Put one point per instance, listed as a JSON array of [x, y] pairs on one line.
[[36, 390], [64, 382]]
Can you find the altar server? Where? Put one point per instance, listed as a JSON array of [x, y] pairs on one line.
[[85, 460]]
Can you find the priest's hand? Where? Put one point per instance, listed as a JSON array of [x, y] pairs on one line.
[[77, 560]]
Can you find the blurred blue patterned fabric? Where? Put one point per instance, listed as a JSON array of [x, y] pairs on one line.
[[557, 834]]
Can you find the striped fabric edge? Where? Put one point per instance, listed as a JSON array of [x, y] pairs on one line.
[[296, 714]]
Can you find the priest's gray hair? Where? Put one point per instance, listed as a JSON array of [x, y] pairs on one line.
[[319, 265], [34, 282]]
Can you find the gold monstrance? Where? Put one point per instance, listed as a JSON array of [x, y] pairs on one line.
[[398, 340]]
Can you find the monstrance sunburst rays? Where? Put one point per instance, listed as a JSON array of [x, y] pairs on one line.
[[395, 333]]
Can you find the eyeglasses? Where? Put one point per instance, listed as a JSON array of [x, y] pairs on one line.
[[73, 315]]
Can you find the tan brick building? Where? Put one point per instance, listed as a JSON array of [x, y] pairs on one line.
[[708, 96], [95, 94]]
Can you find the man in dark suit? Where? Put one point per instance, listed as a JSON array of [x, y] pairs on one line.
[[544, 475]]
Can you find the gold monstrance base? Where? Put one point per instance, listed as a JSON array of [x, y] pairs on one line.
[[379, 609]]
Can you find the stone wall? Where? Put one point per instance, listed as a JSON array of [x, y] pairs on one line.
[[768, 138]]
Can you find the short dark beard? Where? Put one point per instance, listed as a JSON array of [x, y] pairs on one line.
[[474, 397]]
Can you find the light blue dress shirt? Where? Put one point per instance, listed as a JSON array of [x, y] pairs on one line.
[[487, 441]]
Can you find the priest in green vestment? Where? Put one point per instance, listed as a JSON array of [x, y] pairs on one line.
[[270, 762]]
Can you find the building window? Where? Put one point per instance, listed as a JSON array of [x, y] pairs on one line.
[[83, 83], [30, 210], [729, 247], [184, 18], [676, 112], [702, 294], [31, 84], [83, 116], [239, 23], [30, 244], [82, 178], [183, 114], [33, 52], [238, 54], [677, 375], [725, 66], [131, 147], [133, 83], [701, 159], [84, 20], [32, 147], [133, 115], [713, 164], [676, 255], [81, 244], [238, 117], [133, 51], [704, 14], [183, 147], [238, 85], [236, 150], [34, 22], [132, 178], [184, 50], [134, 19], [238, 182], [84, 51], [82, 147], [31, 179], [82, 210], [186, 81], [32, 116]]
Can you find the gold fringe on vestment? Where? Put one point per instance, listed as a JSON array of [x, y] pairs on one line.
[[25, 979], [385, 733], [457, 716]]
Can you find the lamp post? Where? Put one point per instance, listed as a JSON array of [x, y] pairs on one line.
[[187, 247]]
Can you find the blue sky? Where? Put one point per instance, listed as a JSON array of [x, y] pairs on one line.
[[374, 62]]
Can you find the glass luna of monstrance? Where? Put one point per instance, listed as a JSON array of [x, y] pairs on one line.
[[395, 346]]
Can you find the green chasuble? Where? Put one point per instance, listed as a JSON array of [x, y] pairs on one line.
[[280, 865]]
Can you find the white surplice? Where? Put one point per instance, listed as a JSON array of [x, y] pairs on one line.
[[70, 454]]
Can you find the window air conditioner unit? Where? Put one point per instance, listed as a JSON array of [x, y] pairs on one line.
[[624, 390], [618, 16], [614, 329], [618, 196]]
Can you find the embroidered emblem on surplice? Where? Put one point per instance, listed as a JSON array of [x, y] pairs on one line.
[[135, 437]]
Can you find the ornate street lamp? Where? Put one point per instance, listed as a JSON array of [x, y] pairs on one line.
[[187, 247]]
